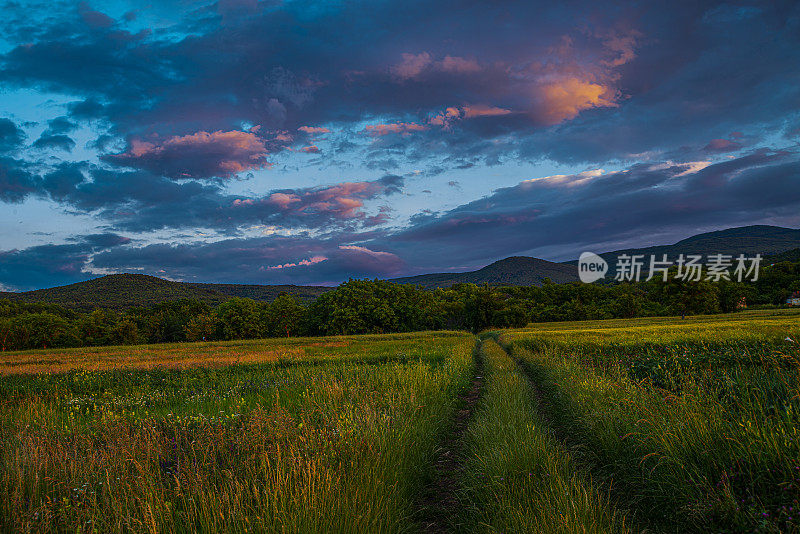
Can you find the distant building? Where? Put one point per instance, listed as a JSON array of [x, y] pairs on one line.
[[794, 300]]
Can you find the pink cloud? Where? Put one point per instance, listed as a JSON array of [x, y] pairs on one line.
[[365, 250], [302, 263], [722, 145], [566, 97], [199, 155], [284, 200], [403, 128], [411, 66], [314, 130], [479, 110], [459, 64], [622, 45], [343, 201], [414, 66], [451, 115], [363, 259], [311, 149]]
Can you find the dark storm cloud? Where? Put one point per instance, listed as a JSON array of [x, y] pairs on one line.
[[86, 109], [588, 85], [563, 214], [141, 201], [49, 265], [292, 260], [60, 125], [11, 136], [197, 156], [225, 88], [61, 142], [16, 182], [333, 64], [602, 210]]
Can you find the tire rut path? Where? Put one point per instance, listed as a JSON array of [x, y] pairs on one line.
[[440, 504], [576, 449]]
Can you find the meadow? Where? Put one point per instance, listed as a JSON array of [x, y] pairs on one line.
[[694, 424], [311, 435], [656, 425]]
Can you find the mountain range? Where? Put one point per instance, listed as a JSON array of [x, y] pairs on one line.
[[121, 291]]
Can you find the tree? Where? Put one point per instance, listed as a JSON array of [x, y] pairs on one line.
[[285, 316], [691, 297], [480, 308], [202, 328], [241, 318]]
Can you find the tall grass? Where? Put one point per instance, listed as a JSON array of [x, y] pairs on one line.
[[518, 476], [338, 446], [701, 430]]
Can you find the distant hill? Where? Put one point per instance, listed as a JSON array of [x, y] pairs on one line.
[[748, 240], [513, 271], [123, 291], [788, 255], [772, 242], [266, 293]]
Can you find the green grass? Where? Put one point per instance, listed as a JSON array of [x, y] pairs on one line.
[[342, 445], [696, 423], [660, 424], [519, 478]]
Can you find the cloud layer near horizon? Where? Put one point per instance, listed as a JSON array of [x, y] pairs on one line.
[[258, 142]]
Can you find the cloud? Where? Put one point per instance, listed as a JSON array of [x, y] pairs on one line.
[[11, 136], [341, 202], [623, 45], [459, 64], [565, 98], [301, 263], [197, 156], [61, 142], [655, 71], [471, 112], [722, 145], [265, 260], [60, 125], [310, 149], [411, 66], [141, 201], [314, 130], [16, 182], [49, 265], [402, 128], [559, 215]]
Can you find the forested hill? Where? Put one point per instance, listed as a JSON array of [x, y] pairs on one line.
[[748, 240], [513, 271], [264, 293], [123, 291]]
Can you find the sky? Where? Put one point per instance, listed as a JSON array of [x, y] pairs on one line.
[[270, 142]]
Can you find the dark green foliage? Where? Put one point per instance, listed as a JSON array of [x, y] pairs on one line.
[[374, 307], [377, 306], [125, 291], [513, 271]]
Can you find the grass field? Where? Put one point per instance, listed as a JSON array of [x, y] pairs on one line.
[[696, 422], [658, 425]]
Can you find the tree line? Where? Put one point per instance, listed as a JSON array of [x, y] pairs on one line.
[[377, 306]]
